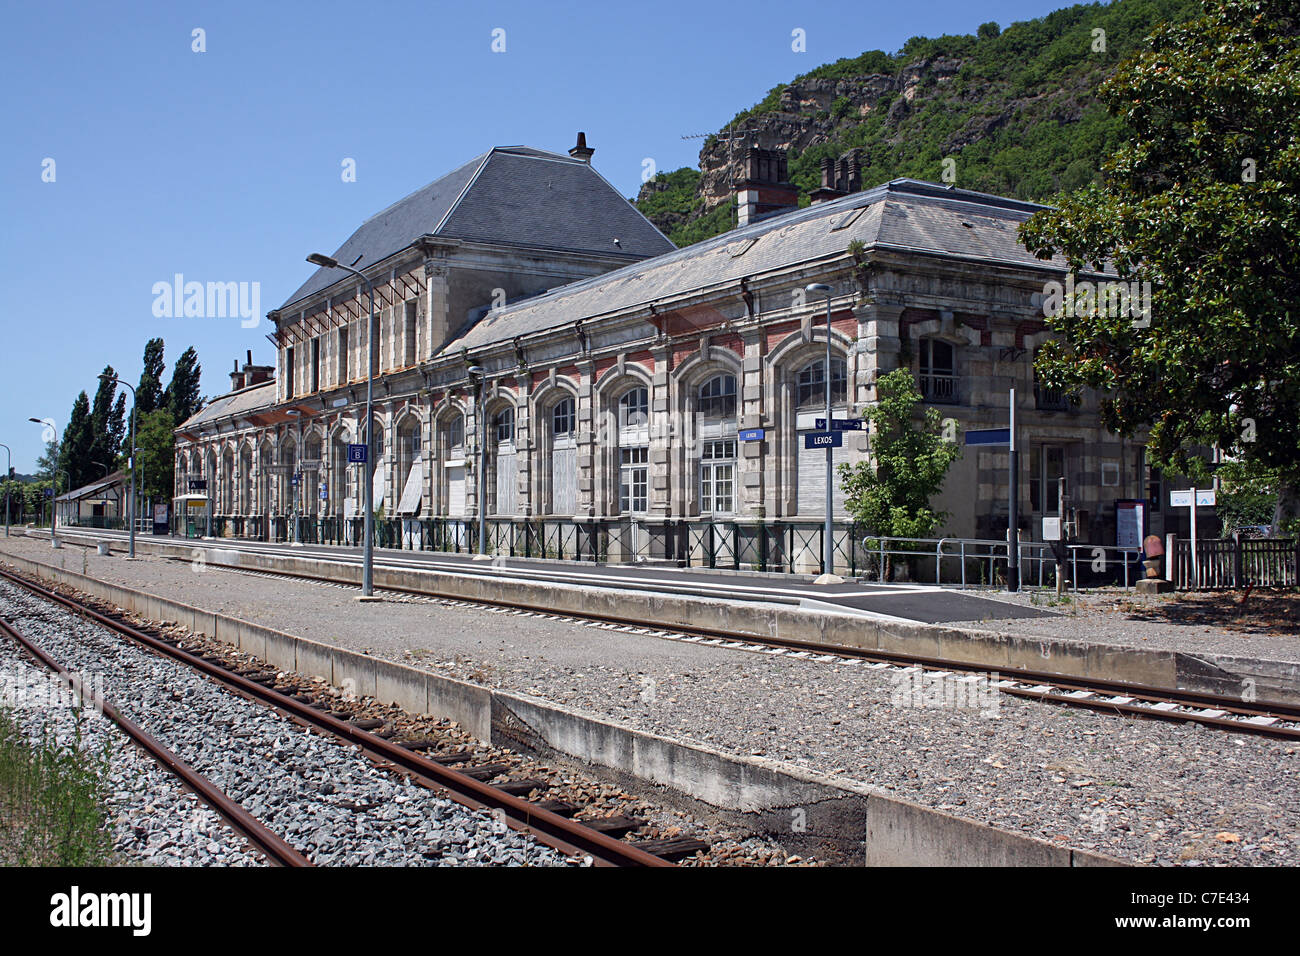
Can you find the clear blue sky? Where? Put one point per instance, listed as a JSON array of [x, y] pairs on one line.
[[225, 165]]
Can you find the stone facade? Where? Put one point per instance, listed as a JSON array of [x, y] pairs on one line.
[[623, 394]]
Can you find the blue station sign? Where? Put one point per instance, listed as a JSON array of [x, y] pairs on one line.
[[751, 434], [841, 424], [988, 436], [823, 440], [358, 454]]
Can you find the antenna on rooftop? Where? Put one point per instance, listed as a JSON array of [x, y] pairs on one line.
[[731, 136]]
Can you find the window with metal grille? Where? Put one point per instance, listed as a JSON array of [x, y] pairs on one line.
[[718, 477], [562, 418], [633, 479], [938, 371], [812, 383], [717, 397]]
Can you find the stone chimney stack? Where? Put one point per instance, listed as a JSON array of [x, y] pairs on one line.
[[765, 189], [582, 151], [236, 378]]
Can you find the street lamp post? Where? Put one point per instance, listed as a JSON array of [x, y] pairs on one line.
[[368, 556], [820, 288], [54, 481], [9, 467], [130, 509]]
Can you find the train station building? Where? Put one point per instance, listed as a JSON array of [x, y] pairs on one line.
[[539, 338]]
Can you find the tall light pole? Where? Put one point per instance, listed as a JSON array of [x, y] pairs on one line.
[[130, 505], [476, 373], [9, 467], [54, 479], [368, 553], [820, 288]]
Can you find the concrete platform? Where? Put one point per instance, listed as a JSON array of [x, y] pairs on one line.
[[645, 598]]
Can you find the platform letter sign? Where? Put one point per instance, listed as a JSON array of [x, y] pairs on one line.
[[357, 454]]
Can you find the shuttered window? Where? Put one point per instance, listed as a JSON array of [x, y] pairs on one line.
[[564, 460], [811, 486]]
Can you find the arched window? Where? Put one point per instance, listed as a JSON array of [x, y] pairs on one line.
[[504, 424], [504, 462], [456, 434], [810, 396], [563, 478], [410, 467], [938, 371], [717, 397], [634, 409], [812, 383], [562, 418], [634, 451]]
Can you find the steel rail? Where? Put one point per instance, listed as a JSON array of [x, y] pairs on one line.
[[1152, 694], [563, 834], [278, 850]]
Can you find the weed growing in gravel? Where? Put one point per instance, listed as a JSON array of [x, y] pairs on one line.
[[51, 806]]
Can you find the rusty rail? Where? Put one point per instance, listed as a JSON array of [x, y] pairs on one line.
[[277, 850]]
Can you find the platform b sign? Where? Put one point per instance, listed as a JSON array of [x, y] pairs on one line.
[[358, 454]]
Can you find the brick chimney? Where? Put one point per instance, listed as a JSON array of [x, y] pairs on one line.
[[840, 177], [765, 189], [581, 151], [250, 374]]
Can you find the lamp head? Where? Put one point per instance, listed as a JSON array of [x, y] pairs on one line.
[[318, 259], [818, 288]]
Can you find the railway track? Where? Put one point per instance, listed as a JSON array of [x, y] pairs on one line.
[[1260, 717], [277, 850], [452, 774]]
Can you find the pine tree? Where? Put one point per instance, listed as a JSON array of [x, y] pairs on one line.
[[149, 394]]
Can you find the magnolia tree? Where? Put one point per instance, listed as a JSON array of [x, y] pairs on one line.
[[890, 491], [1203, 203]]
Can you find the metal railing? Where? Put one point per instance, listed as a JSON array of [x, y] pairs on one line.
[[781, 546]]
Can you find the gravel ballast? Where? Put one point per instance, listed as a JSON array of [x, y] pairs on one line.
[[153, 820], [326, 799], [1143, 791]]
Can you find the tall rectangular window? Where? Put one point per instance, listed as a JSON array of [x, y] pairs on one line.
[[315, 364], [1046, 468], [290, 367], [718, 477], [408, 334], [342, 375], [633, 480], [938, 371]]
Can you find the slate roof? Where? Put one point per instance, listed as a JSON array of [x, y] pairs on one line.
[[513, 195], [246, 400], [905, 215]]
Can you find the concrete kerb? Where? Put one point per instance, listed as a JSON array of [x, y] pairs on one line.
[[800, 809]]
